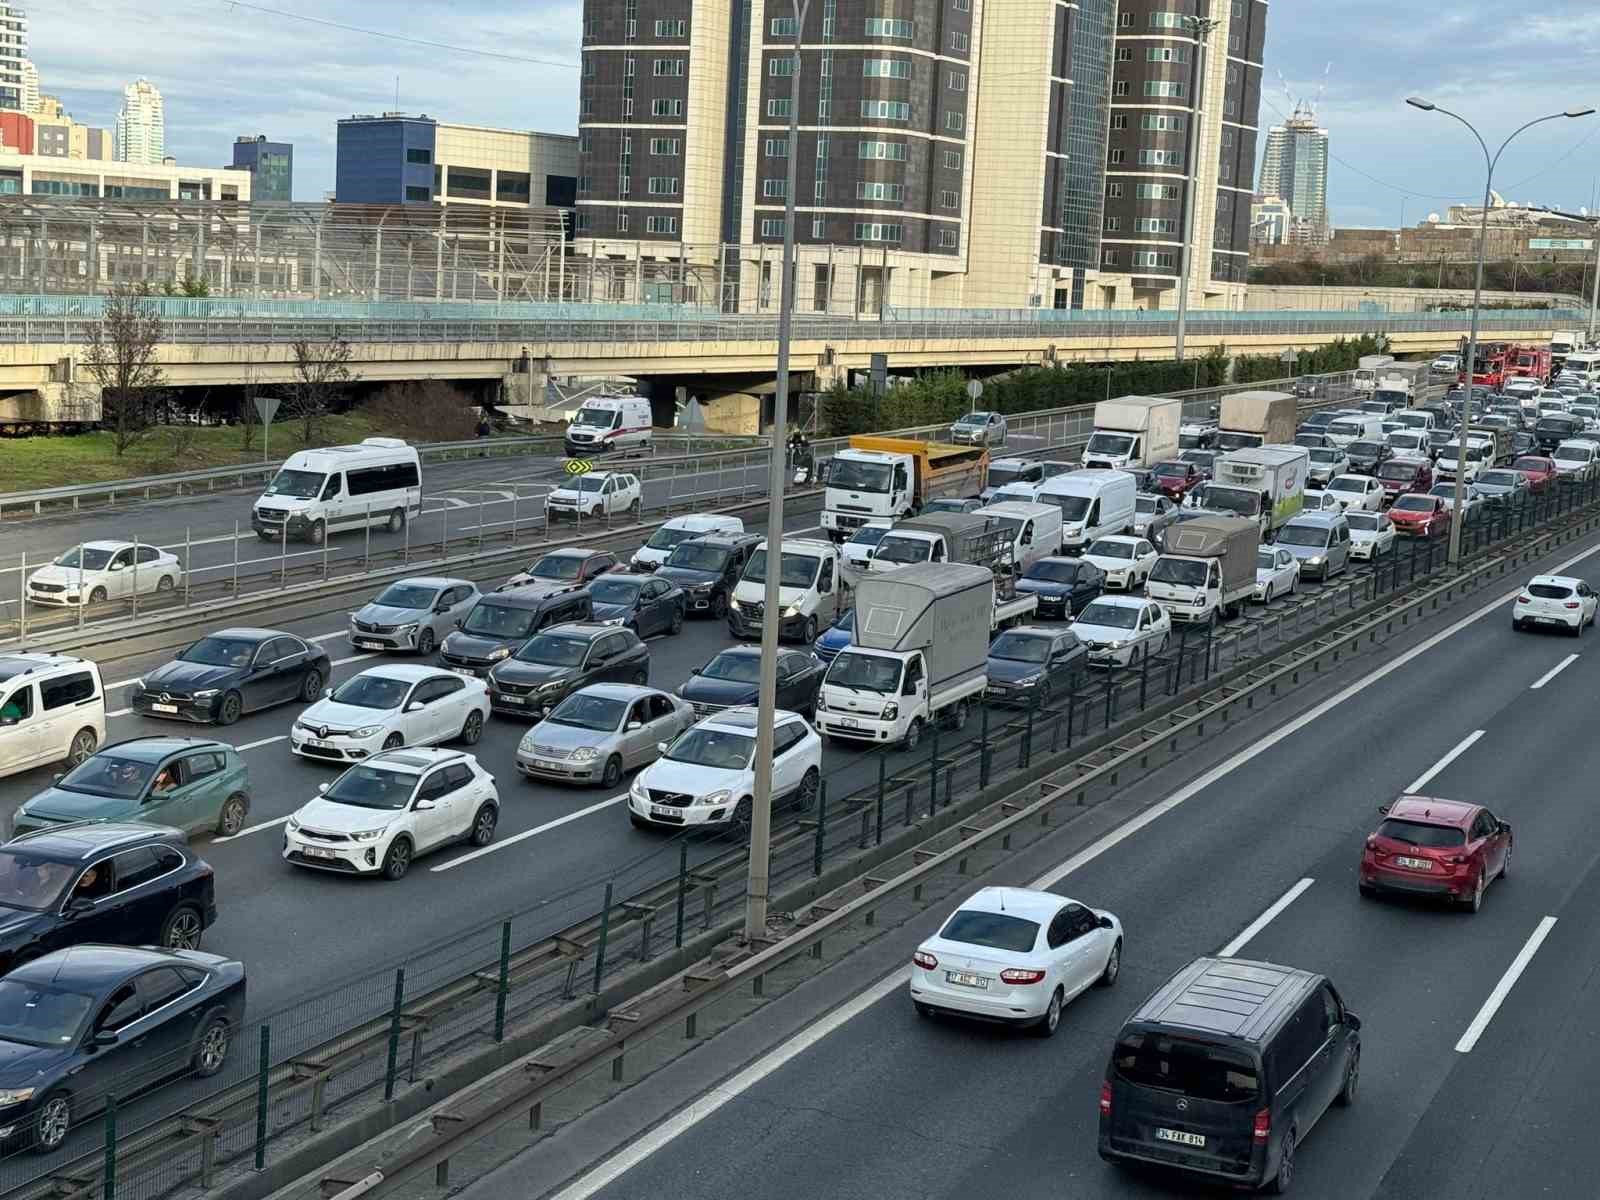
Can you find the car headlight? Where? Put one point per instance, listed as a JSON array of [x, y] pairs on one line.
[[1113, 645], [1315, 560], [792, 611], [15, 1096], [822, 702], [205, 693], [366, 731], [636, 788], [412, 628], [369, 835], [585, 754], [614, 621], [736, 606], [551, 688], [497, 655], [699, 589], [1029, 681], [891, 711], [1199, 601], [721, 797]]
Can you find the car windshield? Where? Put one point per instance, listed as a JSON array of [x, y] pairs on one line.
[[298, 485], [1447, 491], [865, 672], [1349, 483], [90, 558], [993, 931], [1266, 560], [1319, 420], [1001, 474], [868, 535], [1200, 458], [1115, 616], [41, 1016], [1106, 548], [1053, 572], [407, 595], [799, 570], [1371, 522], [1230, 499], [857, 476], [1419, 833], [1500, 478], [666, 537], [1571, 454], [898, 548], [588, 483], [554, 650], [219, 652], [1414, 504], [1397, 471], [1348, 428], [1326, 454], [1187, 1068], [1021, 647], [557, 566], [738, 668], [692, 556], [500, 621], [368, 786], [33, 883], [584, 711], [1073, 508], [845, 620], [1405, 441], [719, 748], [615, 589], [596, 418], [1180, 469], [1530, 464], [1145, 505], [1365, 449], [1182, 571], [1303, 535], [372, 691], [946, 505], [1115, 444], [1412, 420]]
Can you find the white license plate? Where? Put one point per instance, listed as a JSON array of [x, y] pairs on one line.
[[504, 699], [544, 764], [850, 722], [657, 810], [1182, 1137], [366, 645], [166, 708], [1416, 864], [319, 743], [966, 980], [315, 852], [467, 671]]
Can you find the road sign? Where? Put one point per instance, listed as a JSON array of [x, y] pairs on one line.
[[267, 406], [1560, 244], [974, 388], [579, 466]]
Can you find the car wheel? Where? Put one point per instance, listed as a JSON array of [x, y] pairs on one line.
[[1577, 630], [1368, 892], [82, 746], [633, 510], [739, 823], [913, 734], [318, 533], [637, 821], [166, 583], [808, 632], [1284, 1179], [398, 860], [923, 1010], [425, 642], [1113, 965], [1474, 902], [394, 741], [483, 825], [1352, 1077], [1516, 625], [719, 605], [1047, 1025], [230, 708], [182, 928], [97, 596], [311, 686], [230, 820], [806, 798], [677, 621], [1506, 865], [51, 1123], [613, 772], [397, 521], [958, 717], [211, 1047], [471, 729]]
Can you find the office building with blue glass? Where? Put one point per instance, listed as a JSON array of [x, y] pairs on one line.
[[270, 163]]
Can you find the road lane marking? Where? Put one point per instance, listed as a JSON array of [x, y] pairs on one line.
[[528, 833], [1519, 964], [282, 737], [1265, 919], [1421, 781], [339, 662], [252, 829], [1553, 672], [119, 712]]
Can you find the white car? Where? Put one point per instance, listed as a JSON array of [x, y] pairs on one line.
[[595, 494], [1361, 493], [707, 775], [1277, 573], [1126, 560], [384, 708], [858, 550], [1316, 500], [1016, 955], [381, 814], [96, 571], [1554, 601], [1446, 363], [1119, 630], [1326, 462], [1371, 535], [1523, 389]]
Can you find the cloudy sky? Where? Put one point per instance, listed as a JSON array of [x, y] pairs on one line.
[[233, 68]]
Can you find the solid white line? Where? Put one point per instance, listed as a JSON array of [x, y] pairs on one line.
[[252, 829], [1264, 919], [339, 662], [528, 833], [1421, 781], [1553, 672], [328, 637], [282, 737], [1469, 1039]]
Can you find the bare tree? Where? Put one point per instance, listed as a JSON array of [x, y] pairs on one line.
[[425, 411], [248, 417], [321, 370], [120, 351]]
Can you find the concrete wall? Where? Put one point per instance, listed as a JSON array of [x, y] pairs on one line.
[[1335, 299]]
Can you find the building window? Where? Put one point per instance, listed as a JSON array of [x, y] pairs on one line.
[[591, 27], [885, 110], [875, 231], [1113, 224], [671, 28], [949, 198], [583, 185], [1166, 20], [416, 154], [663, 185], [1164, 122], [583, 221], [955, 122], [669, 147], [512, 187], [775, 148], [1155, 225], [588, 67], [783, 27], [775, 188], [819, 228], [1161, 158], [885, 68], [586, 143], [894, 151], [956, 81], [468, 184], [781, 66], [1108, 256], [889, 27], [778, 108], [666, 108], [1167, 54], [891, 192], [1119, 88], [1125, 20], [1153, 258], [1119, 121], [772, 227], [1171, 88], [952, 160], [1114, 156], [962, 5], [958, 40], [661, 224], [586, 107], [1124, 53], [1158, 191], [947, 239], [418, 193], [668, 66], [628, 67], [622, 222], [1113, 191]]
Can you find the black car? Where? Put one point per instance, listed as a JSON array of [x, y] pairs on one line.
[[1064, 585], [643, 604], [569, 567], [230, 673], [119, 882], [1366, 457], [733, 678], [552, 665], [93, 1021], [1551, 431], [1030, 663], [708, 569], [501, 622]]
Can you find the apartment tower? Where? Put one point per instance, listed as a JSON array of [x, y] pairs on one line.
[[141, 125], [1294, 165], [13, 57]]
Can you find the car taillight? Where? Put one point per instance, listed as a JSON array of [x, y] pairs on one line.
[[1105, 1097], [925, 960], [1262, 1129], [1570, 604], [1524, 599], [1458, 860], [1021, 975]]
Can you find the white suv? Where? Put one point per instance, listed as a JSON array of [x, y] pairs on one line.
[[52, 707], [1555, 601], [707, 775], [595, 494], [380, 814], [96, 571]]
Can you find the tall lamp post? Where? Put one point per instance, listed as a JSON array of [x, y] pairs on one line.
[[1489, 161], [759, 886], [1199, 28]]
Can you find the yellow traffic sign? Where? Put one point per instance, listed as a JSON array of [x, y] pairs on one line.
[[579, 466]]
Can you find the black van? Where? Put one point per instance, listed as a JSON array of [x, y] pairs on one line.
[[1225, 1067]]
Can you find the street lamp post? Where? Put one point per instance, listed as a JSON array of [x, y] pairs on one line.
[[1199, 27], [1489, 161]]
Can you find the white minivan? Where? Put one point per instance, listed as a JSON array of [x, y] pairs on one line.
[[377, 482], [1094, 502], [610, 425], [52, 707], [680, 529], [1354, 427], [1035, 530]]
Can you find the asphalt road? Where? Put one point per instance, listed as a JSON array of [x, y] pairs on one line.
[[886, 1105]]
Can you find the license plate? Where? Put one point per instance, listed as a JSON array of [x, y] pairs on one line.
[[966, 980], [166, 708], [850, 722], [544, 764], [657, 810], [364, 645], [318, 742], [315, 852], [1182, 1137], [467, 671], [1417, 864], [513, 699]]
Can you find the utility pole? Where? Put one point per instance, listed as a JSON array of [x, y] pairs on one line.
[[1200, 26]]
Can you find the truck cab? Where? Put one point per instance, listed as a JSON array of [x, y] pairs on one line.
[[810, 587], [1207, 569], [886, 477]]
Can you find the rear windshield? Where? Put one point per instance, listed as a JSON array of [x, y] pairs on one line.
[[1416, 833], [997, 931], [1188, 1068], [1550, 591]]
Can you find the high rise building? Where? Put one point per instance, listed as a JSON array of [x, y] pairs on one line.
[[141, 125], [1295, 166], [13, 55], [30, 87], [272, 164]]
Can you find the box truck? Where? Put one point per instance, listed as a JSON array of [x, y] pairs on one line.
[[1257, 419], [939, 539], [1134, 431], [876, 477], [1209, 567], [1266, 485], [1368, 368]]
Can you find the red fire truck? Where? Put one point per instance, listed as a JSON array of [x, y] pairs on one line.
[[1529, 362], [1489, 369]]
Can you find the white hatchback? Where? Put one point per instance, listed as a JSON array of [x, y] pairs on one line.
[[1121, 630], [1554, 602], [1126, 560], [1361, 493], [1016, 955], [858, 550], [384, 708], [95, 571], [1371, 534]]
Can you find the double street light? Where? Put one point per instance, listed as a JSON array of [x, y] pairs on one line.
[[1489, 160]]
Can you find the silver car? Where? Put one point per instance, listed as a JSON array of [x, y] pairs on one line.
[[600, 731], [979, 429], [412, 614]]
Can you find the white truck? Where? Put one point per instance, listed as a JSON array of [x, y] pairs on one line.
[[1266, 485], [918, 653], [1035, 530], [1257, 418], [878, 477], [970, 539], [1209, 567], [1134, 431], [1368, 370], [1564, 342]]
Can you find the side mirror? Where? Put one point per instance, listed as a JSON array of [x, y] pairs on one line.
[[59, 776], [104, 1037], [1383, 809], [441, 608], [327, 693], [415, 706], [321, 787], [1353, 1022], [7, 721], [77, 906], [457, 622], [1504, 827], [632, 725], [116, 566], [424, 805], [661, 747], [1105, 922]]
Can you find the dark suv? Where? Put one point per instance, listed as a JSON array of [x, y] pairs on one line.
[[552, 665], [501, 622], [1225, 1068], [708, 569], [101, 881]]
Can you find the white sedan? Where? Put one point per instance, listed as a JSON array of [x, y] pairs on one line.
[[398, 704], [858, 550], [1361, 493], [1554, 602], [1371, 535], [1016, 955], [1119, 630], [96, 571], [1125, 560], [1277, 573]]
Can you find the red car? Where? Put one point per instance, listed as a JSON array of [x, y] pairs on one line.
[[1541, 471], [1432, 847], [1176, 479], [1420, 515], [1402, 475]]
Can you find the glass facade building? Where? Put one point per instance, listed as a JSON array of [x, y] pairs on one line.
[[272, 165], [385, 160], [1083, 197]]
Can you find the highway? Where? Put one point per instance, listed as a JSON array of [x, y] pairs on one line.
[[1251, 843]]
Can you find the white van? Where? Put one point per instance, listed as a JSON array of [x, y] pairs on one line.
[[317, 492], [1354, 427], [1585, 364], [1020, 492], [1093, 502], [610, 425], [811, 588], [680, 529], [1035, 530], [52, 707]]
